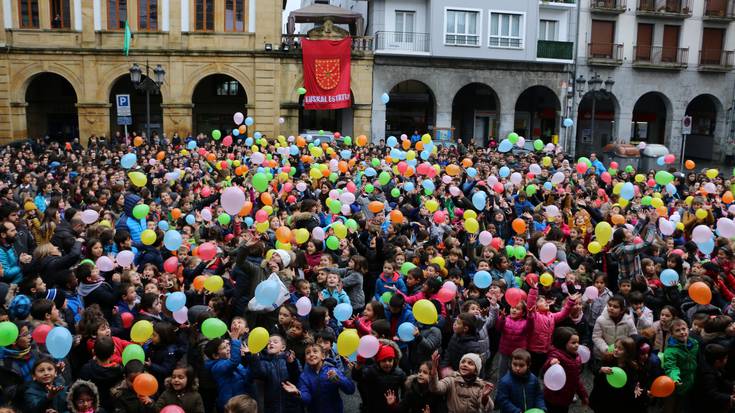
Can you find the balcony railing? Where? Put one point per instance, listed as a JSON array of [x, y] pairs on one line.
[[719, 10], [557, 3], [607, 6], [605, 54], [664, 8], [659, 57], [715, 60], [292, 42], [550, 49], [402, 42]]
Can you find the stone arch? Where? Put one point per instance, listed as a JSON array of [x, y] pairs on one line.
[[221, 69], [119, 71], [537, 108], [607, 109], [30, 72], [645, 112], [412, 106], [476, 113]]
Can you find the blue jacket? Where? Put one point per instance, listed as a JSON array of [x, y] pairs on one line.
[[321, 395], [395, 280], [40, 202], [126, 220], [519, 394], [274, 370], [340, 296], [510, 280], [599, 167], [11, 266], [74, 304], [37, 402], [232, 377]]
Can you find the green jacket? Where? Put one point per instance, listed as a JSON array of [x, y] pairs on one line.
[[680, 363]]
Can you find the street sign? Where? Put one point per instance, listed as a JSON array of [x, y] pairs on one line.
[[123, 105], [686, 125], [125, 120]]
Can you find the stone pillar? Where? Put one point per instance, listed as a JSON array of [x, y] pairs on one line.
[[269, 22], [378, 123], [88, 35], [174, 25], [18, 122], [506, 120], [621, 131], [177, 117], [362, 115], [265, 99], [290, 114], [44, 14], [94, 119]]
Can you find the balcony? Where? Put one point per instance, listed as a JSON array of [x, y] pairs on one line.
[[667, 9], [402, 43], [291, 43], [558, 4], [716, 60], [550, 49], [604, 54], [607, 6], [660, 58], [719, 10]]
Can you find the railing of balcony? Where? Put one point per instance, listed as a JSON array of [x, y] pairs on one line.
[[659, 55], [403, 42]]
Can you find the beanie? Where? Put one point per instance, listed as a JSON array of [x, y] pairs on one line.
[[385, 352], [475, 359], [29, 206]]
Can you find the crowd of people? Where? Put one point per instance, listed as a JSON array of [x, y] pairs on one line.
[[245, 273]]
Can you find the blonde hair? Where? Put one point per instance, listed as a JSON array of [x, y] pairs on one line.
[[43, 250], [241, 404]]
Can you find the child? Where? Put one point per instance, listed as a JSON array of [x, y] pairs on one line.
[[513, 331], [162, 353], [182, 389], [713, 391], [464, 340], [543, 324], [241, 404], [302, 288], [613, 324], [46, 391], [388, 278], [128, 300], [427, 340], [286, 313], [105, 372], [597, 306], [326, 340], [149, 308], [319, 384], [416, 395], [275, 367], [333, 290], [231, 376], [464, 391], [564, 348], [606, 398], [680, 363], [352, 279], [374, 310], [378, 379], [83, 397], [642, 315], [99, 327], [125, 398], [519, 390], [297, 339]]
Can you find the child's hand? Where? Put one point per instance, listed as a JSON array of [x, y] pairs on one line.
[[290, 356], [390, 397], [605, 370], [554, 361], [145, 400], [637, 392], [52, 391], [487, 389], [290, 388], [434, 362], [332, 376]]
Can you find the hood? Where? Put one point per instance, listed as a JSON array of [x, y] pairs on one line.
[[563, 356], [105, 373], [194, 387], [73, 391], [131, 200], [391, 343]]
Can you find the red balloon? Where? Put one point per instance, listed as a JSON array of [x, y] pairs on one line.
[[498, 187], [496, 242], [171, 264], [614, 165], [172, 408], [127, 319], [531, 278], [207, 251], [40, 333], [444, 295], [514, 296]]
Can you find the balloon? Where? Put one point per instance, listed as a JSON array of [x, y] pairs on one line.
[[385, 98], [207, 251], [669, 277], [700, 213], [8, 333], [538, 144], [214, 283], [172, 408], [145, 384], [617, 378], [348, 342], [133, 352], [726, 227], [505, 146], [482, 279], [90, 216], [701, 233], [172, 240], [375, 206], [175, 301], [548, 252], [568, 123], [124, 258], [663, 177], [712, 173], [342, 312], [594, 247], [514, 295], [127, 319], [147, 237], [591, 292], [104, 263], [303, 306], [214, 328], [128, 160], [603, 233], [40, 333], [663, 386], [266, 293], [58, 342], [471, 225], [216, 134], [555, 377], [369, 346], [546, 279], [485, 238], [700, 293], [138, 178], [170, 265], [479, 200], [332, 243], [425, 312], [141, 331], [232, 200], [318, 233], [406, 267], [405, 331], [584, 353], [257, 339]]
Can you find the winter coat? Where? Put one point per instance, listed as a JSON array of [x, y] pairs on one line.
[[543, 323], [680, 362], [644, 321], [417, 396], [573, 368], [190, 401], [99, 293], [517, 394], [10, 263], [163, 360], [352, 283], [64, 237], [459, 346], [424, 345], [320, 394], [393, 280], [374, 383], [105, 377], [513, 333], [51, 267], [406, 316], [608, 399], [596, 307], [661, 336], [232, 377], [462, 397], [126, 401], [340, 296], [72, 393], [606, 331], [507, 276], [148, 254], [484, 332], [37, 402], [274, 370], [126, 221], [712, 390]]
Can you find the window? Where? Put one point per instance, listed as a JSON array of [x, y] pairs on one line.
[[548, 30], [235, 15], [117, 14], [148, 15], [28, 11], [228, 88], [404, 26], [506, 30], [204, 15], [461, 28], [60, 14]]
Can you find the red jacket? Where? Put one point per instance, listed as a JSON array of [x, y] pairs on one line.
[[120, 345], [573, 368]]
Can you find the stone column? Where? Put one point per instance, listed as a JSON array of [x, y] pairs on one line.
[[18, 122], [265, 98], [174, 25], [362, 115], [506, 120], [177, 117], [290, 114], [44, 14], [88, 35], [94, 119]]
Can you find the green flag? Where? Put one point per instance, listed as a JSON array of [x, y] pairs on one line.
[[128, 36]]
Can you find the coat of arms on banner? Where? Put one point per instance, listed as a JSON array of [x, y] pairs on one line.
[[327, 73]]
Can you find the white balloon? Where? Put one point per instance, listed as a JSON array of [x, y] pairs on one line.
[[492, 180], [548, 252], [125, 258], [454, 190], [318, 233], [521, 142], [347, 198], [553, 211], [555, 377], [206, 214], [535, 169], [557, 178], [666, 227], [516, 178], [562, 269], [701, 233], [90, 216], [726, 227], [584, 353]]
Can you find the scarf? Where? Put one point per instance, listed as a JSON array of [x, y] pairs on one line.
[[17, 354], [469, 379]]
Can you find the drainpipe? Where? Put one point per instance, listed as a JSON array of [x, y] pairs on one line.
[[568, 145]]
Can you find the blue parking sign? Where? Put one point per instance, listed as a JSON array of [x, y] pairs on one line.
[[123, 105]]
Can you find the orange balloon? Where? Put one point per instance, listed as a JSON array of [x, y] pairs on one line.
[[175, 213], [138, 141], [211, 157], [238, 171], [145, 384], [307, 159], [199, 282], [727, 197], [242, 129], [300, 142], [375, 207], [396, 216], [266, 198], [326, 172], [283, 234], [160, 155], [466, 162], [662, 211], [689, 164], [452, 170], [406, 144], [247, 207], [361, 140], [419, 146], [388, 159], [342, 166], [519, 226], [618, 219], [663, 386], [700, 293]]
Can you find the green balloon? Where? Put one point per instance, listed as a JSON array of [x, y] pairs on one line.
[[520, 252], [538, 144], [224, 219], [428, 191], [141, 211], [612, 171], [617, 378], [510, 251], [216, 134], [133, 352], [351, 224], [335, 206], [519, 282], [663, 177], [375, 162], [531, 190], [406, 267], [369, 188], [8, 333], [260, 182], [534, 410], [585, 160], [513, 137], [395, 192], [384, 178], [629, 169], [347, 141], [332, 242], [646, 200], [301, 91], [213, 328], [385, 297]]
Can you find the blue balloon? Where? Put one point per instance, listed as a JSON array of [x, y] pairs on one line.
[[548, 186], [58, 342], [395, 153], [293, 150], [370, 172], [628, 191], [175, 301], [128, 160], [248, 221], [248, 121], [504, 172], [471, 172], [670, 188], [428, 184], [568, 123], [345, 154], [660, 161], [425, 155], [343, 312], [478, 200], [172, 240], [266, 293], [405, 331], [429, 147], [505, 146], [257, 135], [408, 186], [317, 142], [669, 277], [249, 141], [482, 279], [191, 145], [235, 132], [707, 247], [163, 225], [412, 162], [392, 141], [385, 98], [190, 219]]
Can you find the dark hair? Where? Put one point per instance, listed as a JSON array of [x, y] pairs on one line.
[[318, 318], [83, 389], [397, 301], [134, 367], [121, 235], [521, 354], [469, 321], [40, 308], [716, 324], [635, 297], [27, 283], [83, 272], [561, 337], [378, 310], [715, 352], [104, 348], [212, 347], [299, 282], [191, 377], [620, 300], [147, 300], [43, 360], [382, 328], [166, 332], [326, 335], [674, 312], [466, 305]]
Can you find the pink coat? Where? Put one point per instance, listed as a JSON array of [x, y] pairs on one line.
[[513, 334], [543, 323]]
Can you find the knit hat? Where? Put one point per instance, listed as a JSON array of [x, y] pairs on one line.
[[475, 359], [29, 206], [20, 307], [56, 296], [385, 352]]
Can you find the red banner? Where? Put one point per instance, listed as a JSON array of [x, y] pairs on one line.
[[327, 73]]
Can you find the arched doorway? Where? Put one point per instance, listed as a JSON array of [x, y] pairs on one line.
[[650, 118], [594, 133], [411, 107], [326, 122], [706, 111], [216, 98], [124, 86], [51, 109], [475, 110], [537, 114]]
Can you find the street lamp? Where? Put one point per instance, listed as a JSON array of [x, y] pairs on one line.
[[597, 88], [148, 85]]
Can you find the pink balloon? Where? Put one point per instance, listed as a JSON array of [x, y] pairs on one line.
[[206, 191], [581, 167], [171, 264], [561, 269], [303, 306], [485, 238], [368, 346], [318, 233], [206, 214], [445, 295], [591, 293], [548, 252], [439, 217], [227, 141], [90, 216], [669, 159], [555, 377], [104, 263], [207, 251], [454, 190], [606, 177], [181, 316], [125, 258], [301, 186], [232, 200], [261, 216]]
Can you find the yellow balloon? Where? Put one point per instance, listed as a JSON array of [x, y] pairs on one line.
[[410, 155], [432, 205], [426, 138], [701, 213], [347, 342], [471, 225], [340, 230], [623, 202], [439, 260], [468, 213], [680, 226], [594, 247], [712, 173], [689, 200], [425, 312], [268, 209], [148, 237], [640, 178], [301, 235], [546, 161], [141, 331], [546, 279], [315, 173], [657, 202], [617, 188], [262, 227], [603, 233], [257, 340], [657, 195], [138, 178], [282, 246], [214, 283]]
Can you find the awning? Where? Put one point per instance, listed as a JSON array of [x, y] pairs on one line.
[[318, 13]]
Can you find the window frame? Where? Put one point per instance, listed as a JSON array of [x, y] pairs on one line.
[[404, 36], [236, 3], [499, 36], [478, 26], [31, 24], [556, 29], [148, 16], [208, 24], [114, 26], [65, 19]]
